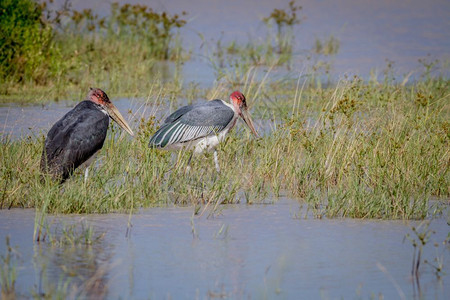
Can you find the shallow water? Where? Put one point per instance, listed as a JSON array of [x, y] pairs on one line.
[[369, 31], [242, 251], [33, 120]]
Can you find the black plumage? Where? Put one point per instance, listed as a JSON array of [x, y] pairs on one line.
[[79, 134], [74, 139]]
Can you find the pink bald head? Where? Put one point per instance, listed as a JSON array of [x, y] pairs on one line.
[[238, 100], [98, 96], [240, 107]]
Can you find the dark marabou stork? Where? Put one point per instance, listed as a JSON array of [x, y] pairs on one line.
[[202, 126], [77, 136]]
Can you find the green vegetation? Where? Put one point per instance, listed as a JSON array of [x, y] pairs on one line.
[[49, 54], [284, 21], [77, 234], [423, 234], [361, 150], [420, 237], [348, 149], [70, 239], [27, 51]]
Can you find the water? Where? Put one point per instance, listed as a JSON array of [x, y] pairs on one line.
[[369, 31], [34, 120], [242, 251]]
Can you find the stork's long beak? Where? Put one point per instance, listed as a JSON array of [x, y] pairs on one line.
[[248, 120], [117, 117]]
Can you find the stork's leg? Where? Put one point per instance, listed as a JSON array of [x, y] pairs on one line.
[[190, 157], [86, 173], [188, 167], [216, 161], [87, 164]]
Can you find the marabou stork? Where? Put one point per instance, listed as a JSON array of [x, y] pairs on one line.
[[77, 136], [202, 126]]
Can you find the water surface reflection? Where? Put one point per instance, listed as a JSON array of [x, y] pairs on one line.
[[242, 251]]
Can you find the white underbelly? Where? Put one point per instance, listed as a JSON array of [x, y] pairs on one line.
[[207, 143]]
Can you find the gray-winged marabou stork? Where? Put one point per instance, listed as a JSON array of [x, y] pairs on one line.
[[79, 134], [202, 126]]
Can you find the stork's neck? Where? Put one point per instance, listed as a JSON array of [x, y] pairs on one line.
[[233, 108], [100, 108], [233, 120]]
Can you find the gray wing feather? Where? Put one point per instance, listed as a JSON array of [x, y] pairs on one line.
[[178, 113], [193, 122]]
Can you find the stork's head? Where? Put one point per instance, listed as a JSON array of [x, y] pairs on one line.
[[240, 106], [99, 97]]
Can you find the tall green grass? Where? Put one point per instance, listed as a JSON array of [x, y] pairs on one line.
[[359, 150]]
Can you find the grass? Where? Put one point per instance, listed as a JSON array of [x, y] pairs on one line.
[[50, 53], [353, 149], [359, 150]]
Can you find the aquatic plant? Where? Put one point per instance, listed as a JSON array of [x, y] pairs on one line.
[[233, 59], [79, 233], [284, 21], [420, 237], [128, 23], [8, 272], [142, 23], [321, 56]]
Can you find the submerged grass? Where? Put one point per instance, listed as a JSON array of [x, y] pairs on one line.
[[360, 150], [8, 271]]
